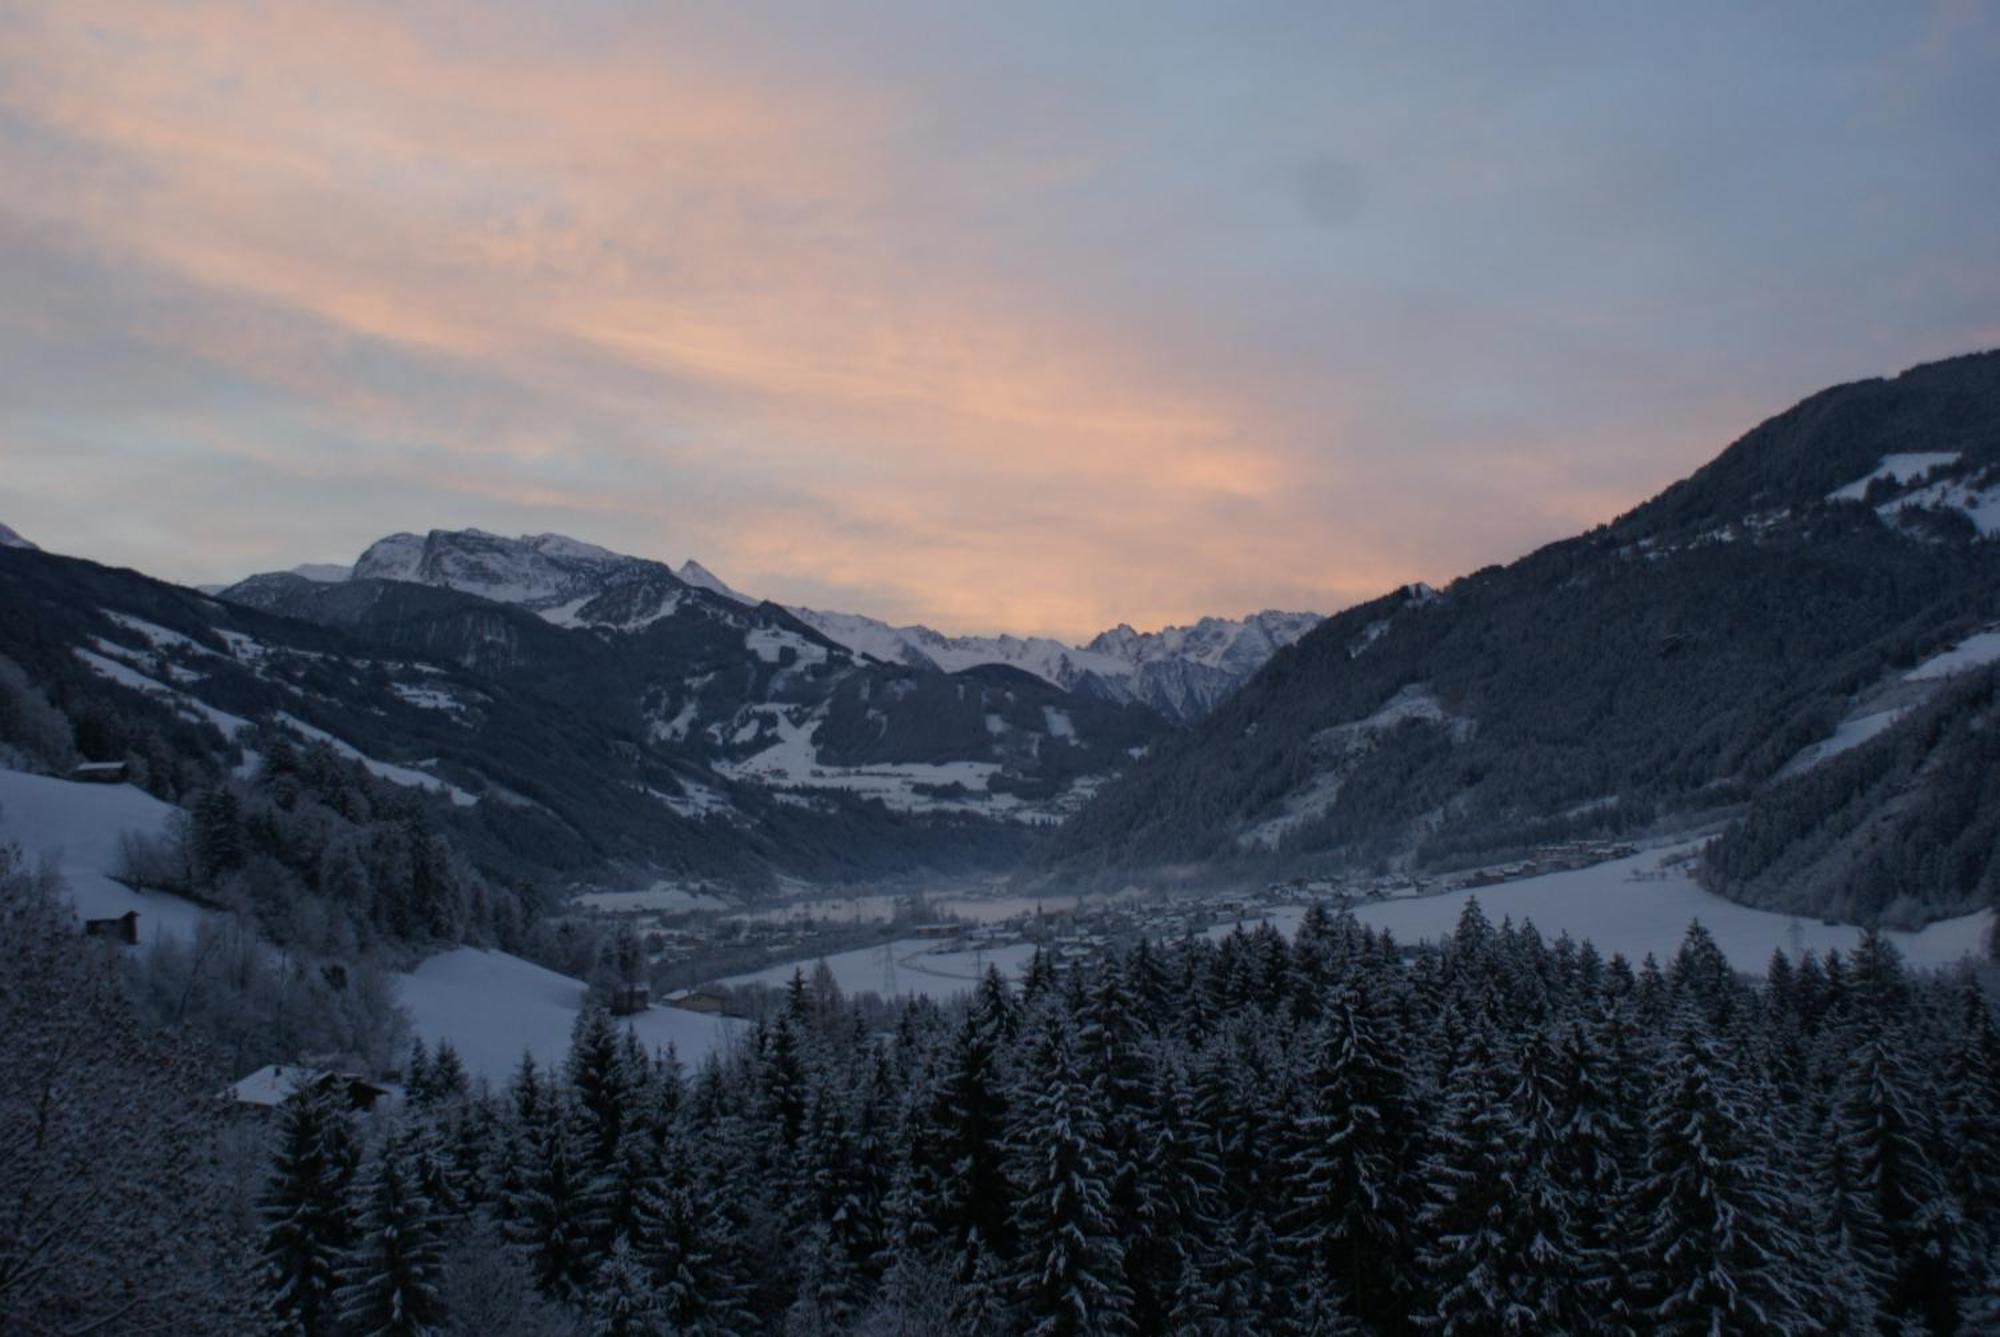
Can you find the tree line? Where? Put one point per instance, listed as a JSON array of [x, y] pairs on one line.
[[1328, 1134]]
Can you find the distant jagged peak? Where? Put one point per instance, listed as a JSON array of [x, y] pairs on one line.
[[1211, 640], [1180, 671], [11, 539]]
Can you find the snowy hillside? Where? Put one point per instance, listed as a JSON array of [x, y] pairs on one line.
[[1643, 905], [494, 1007], [79, 830], [1905, 486], [10, 539]]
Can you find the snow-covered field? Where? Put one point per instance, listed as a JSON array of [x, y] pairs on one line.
[[493, 1007], [907, 967], [1620, 913], [78, 828]]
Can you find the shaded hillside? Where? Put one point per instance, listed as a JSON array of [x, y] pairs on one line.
[[1665, 665], [189, 688], [1901, 829], [714, 679]]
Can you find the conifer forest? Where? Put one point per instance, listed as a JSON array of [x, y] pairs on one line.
[[1331, 1135]]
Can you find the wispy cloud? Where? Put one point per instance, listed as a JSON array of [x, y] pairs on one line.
[[998, 320]]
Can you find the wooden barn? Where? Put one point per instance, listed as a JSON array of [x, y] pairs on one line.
[[101, 773], [630, 999]]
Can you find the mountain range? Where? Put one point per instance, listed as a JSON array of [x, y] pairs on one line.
[[1182, 672], [1795, 645], [1795, 649]]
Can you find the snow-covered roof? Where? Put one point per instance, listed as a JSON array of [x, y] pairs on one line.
[[273, 1082]]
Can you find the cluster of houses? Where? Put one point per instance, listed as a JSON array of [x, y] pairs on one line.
[[1556, 858], [1547, 859]]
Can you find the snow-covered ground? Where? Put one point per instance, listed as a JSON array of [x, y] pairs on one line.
[[386, 770], [1847, 735], [1975, 651], [78, 828], [1981, 505], [493, 1007], [792, 762], [908, 967], [1902, 468], [122, 673], [1637, 915]]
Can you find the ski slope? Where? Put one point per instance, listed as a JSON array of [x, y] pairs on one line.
[[78, 830], [493, 1007], [1636, 916]]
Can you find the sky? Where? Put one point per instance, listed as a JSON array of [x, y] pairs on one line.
[[1026, 317]]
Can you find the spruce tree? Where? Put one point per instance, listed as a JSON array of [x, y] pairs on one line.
[[678, 1236], [1349, 1171], [1070, 1274], [1593, 1138], [1884, 1133], [390, 1278], [1470, 1194], [623, 1302], [307, 1209], [964, 1163], [557, 1214], [598, 1080], [1715, 1251]]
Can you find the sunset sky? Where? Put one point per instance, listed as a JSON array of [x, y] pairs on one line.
[[1018, 317]]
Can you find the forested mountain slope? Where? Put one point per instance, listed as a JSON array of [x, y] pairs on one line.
[[701, 674], [190, 689], [1671, 664]]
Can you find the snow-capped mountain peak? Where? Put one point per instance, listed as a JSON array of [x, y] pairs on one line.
[[537, 571], [1180, 671], [10, 539], [695, 574]]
